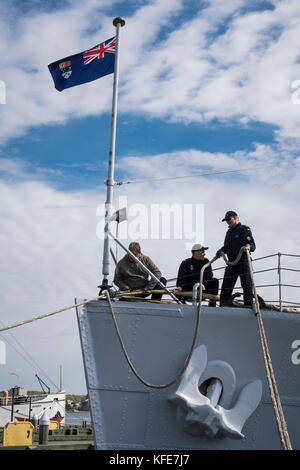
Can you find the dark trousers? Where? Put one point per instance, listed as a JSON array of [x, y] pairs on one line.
[[157, 287], [230, 277], [211, 286], [163, 280]]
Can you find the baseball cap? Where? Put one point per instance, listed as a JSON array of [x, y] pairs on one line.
[[199, 247], [229, 214]]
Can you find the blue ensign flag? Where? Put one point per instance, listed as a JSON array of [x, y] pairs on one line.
[[85, 66]]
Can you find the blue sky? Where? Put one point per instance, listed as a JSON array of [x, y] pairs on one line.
[[78, 150], [206, 86]]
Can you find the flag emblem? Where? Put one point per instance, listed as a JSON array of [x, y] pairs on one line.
[[65, 68]]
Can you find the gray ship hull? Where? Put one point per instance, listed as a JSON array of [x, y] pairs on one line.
[[126, 414]]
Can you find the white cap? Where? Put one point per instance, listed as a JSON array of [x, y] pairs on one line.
[[199, 247]]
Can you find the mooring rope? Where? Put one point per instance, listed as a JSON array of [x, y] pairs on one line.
[[280, 419], [277, 407], [128, 295], [40, 317], [138, 376], [205, 296], [186, 364]]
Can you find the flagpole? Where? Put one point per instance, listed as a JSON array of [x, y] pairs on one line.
[[118, 23]]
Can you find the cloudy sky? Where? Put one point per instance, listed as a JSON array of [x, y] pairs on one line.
[[206, 86]]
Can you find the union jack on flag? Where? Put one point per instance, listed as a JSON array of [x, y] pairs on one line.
[[98, 51], [83, 67]]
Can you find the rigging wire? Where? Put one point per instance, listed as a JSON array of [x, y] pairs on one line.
[[120, 183], [30, 360]]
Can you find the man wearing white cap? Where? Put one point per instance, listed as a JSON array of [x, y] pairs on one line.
[[189, 273]]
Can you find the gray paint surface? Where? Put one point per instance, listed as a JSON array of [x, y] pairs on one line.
[[128, 415]]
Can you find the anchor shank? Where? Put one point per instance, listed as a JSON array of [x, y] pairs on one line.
[[214, 391]]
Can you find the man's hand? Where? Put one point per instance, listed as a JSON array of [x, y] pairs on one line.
[[146, 290], [177, 289]]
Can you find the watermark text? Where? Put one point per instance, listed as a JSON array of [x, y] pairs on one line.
[[2, 352], [2, 92], [157, 222], [296, 353]]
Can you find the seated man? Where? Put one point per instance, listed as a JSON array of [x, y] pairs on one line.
[[130, 276], [189, 274]]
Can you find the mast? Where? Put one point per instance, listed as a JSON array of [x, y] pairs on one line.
[[60, 378], [118, 23]]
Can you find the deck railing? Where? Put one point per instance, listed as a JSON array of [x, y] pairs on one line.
[[281, 274]]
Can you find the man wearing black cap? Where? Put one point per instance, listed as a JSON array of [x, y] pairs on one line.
[[237, 235], [189, 274]]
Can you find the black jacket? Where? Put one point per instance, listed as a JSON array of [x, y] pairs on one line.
[[189, 273], [236, 237]]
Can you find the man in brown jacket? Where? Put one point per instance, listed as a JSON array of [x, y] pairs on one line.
[[130, 276]]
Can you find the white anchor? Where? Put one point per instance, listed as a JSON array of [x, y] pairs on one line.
[[200, 414]]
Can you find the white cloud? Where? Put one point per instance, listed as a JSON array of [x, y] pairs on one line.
[[18, 169], [194, 162], [243, 74], [190, 71]]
